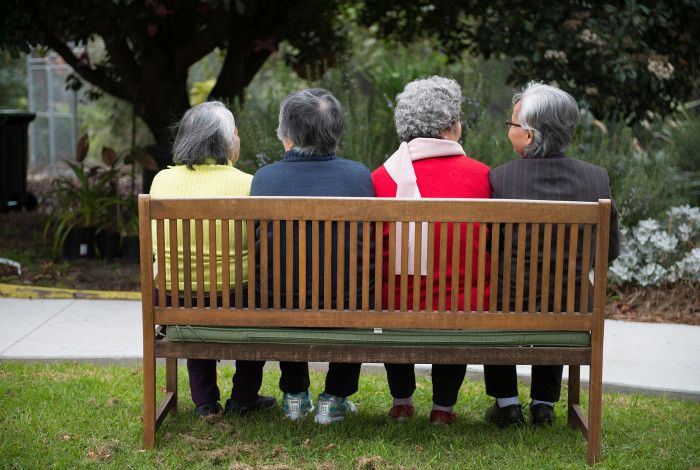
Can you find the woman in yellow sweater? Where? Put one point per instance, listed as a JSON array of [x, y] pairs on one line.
[[205, 149]]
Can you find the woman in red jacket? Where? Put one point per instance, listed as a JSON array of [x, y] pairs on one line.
[[430, 163]]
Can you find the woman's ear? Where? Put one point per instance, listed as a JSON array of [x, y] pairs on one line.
[[236, 146]]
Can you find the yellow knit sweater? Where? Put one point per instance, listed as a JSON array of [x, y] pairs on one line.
[[203, 181]]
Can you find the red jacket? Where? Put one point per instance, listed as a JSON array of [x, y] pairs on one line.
[[440, 177]]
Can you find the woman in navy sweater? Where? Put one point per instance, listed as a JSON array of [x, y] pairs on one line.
[[310, 126]]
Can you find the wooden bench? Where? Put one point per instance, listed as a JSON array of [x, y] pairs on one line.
[[580, 229]]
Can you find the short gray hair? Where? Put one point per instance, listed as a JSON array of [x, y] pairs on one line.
[[312, 120], [207, 130], [552, 115], [427, 107]]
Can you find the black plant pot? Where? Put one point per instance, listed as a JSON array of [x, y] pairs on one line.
[[130, 248], [108, 244], [79, 243]]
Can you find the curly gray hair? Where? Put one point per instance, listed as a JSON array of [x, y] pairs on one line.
[[552, 115], [427, 107]]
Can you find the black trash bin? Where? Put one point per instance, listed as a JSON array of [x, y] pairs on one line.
[[13, 161]]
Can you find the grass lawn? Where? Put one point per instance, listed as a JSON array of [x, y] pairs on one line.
[[69, 415]]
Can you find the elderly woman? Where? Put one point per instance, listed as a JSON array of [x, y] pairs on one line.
[[205, 149], [540, 129], [310, 126], [430, 163]]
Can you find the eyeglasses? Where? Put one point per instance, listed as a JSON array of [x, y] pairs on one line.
[[511, 124]]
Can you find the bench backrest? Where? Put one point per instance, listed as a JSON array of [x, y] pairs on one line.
[[508, 233]]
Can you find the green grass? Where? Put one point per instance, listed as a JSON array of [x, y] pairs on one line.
[[77, 416]]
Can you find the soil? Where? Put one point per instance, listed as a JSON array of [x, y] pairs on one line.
[[677, 303], [21, 240]]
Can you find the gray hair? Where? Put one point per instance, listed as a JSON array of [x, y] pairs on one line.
[[427, 107], [552, 115], [205, 131], [312, 120]]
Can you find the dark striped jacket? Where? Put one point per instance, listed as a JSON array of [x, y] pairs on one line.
[[552, 179]]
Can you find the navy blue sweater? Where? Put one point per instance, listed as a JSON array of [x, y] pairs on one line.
[[306, 175]]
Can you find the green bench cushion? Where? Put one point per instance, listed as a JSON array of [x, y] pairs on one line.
[[369, 337]]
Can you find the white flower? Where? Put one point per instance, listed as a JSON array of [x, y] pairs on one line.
[[552, 54], [660, 67], [589, 37]]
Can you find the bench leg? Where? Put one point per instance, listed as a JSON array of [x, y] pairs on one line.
[[595, 408], [149, 394], [171, 381], [574, 392]]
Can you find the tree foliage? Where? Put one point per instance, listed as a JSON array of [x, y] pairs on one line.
[[623, 58], [150, 45]]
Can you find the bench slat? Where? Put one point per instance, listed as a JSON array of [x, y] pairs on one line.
[[226, 264], [396, 354], [212, 263], [360, 209], [174, 277], [429, 281], [264, 287], [366, 263], [520, 268], [289, 263], [187, 260], [534, 262], [199, 264], [251, 261], [378, 262], [340, 267], [546, 259], [559, 267], [160, 244], [352, 264], [391, 270], [585, 267], [385, 319], [456, 251], [442, 266], [571, 270], [327, 253], [403, 297], [302, 266], [276, 265]]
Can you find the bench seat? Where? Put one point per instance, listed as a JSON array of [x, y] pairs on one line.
[[179, 333]]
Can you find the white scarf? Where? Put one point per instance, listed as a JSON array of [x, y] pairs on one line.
[[400, 169]]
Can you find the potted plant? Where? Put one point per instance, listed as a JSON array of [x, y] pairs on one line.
[[108, 237], [82, 202]]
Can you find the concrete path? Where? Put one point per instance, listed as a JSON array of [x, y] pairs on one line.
[[638, 356]]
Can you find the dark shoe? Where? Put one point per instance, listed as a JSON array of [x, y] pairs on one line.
[[542, 414], [243, 407], [401, 413], [504, 417], [207, 410], [442, 418]]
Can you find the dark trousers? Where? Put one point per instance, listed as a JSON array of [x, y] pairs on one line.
[[202, 372], [447, 379], [342, 379], [502, 382]]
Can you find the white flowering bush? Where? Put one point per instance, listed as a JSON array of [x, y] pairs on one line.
[[655, 252]]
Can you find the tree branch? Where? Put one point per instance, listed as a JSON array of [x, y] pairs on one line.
[[94, 76]]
